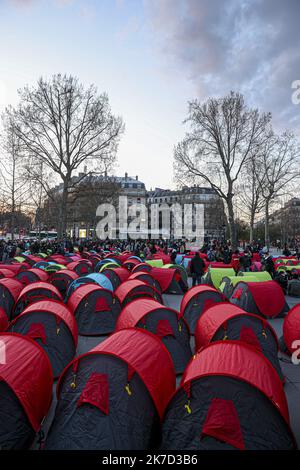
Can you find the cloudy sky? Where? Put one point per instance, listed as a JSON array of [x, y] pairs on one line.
[[151, 57]]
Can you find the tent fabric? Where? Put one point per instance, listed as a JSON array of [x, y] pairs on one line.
[[96, 309], [165, 277], [32, 275], [267, 296], [33, 293], [146, 355], [196, 301], [6, 273], [162, 321], [227, 321], [3, 320], [104, 419], [27, 371], [9, 292], [291, 329], [81, 266], [116, 275], [260, 275], [239, 360], [15, 268], [222, 422], [101, 280], [155, 263], [141, 267], [55, 308], [54, 327], [217, 274], [145, 277], [130, 288]]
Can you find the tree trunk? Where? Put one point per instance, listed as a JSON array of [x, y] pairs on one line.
[[251, 228], [231, 223], [267, 236], [62, 225]]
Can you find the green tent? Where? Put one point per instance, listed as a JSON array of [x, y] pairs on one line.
[[260, 275], [180, 268], [19, 259], [108, 265], [42, 255], [52, 268], [214, 276], [155, 263]]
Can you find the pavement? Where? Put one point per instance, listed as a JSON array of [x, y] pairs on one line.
[[290, 371]]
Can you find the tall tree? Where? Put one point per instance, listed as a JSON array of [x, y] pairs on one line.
[[279, 158], [224, 133], [13, 184], [66, 126], [250, 191]]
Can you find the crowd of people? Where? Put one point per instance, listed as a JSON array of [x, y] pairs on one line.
[[215, 250]]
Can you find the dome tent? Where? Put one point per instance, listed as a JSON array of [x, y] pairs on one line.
[[264, 298], [116, 275], [131, 262], [54, 327], [93, 278], [171, 280], [3, 320], [121, 385], [291, 330], [4, 272], [223, 405], [141, 267], [32, 275], [9, 292], [227, 321], [134, 289], [25, 391], [214, 276], [96, 309], [162, 321], [229, 282], [33, 293], [196, 300], [81, 267], [62, 279], [147, 278]]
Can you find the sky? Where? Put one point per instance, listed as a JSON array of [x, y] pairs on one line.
[[152, 57]]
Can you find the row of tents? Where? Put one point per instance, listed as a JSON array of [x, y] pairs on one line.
[[127, 382]]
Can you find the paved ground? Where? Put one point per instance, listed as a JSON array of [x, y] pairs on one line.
[[291, 371]]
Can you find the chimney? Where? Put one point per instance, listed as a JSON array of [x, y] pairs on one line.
[[126, 176], [136, 178]]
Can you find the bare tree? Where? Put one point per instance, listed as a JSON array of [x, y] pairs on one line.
[[224, 133], [66, 126], [279, 157], [14, 186], [250, 191]]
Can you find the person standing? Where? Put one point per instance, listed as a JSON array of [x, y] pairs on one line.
[[197, 267]]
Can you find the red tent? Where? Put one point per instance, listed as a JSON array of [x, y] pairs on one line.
[[198, 299], [130, 290], [3, 320], [116, 275], [9, 292], [27, 371], [15, 267], [228, 358], [264, 298], [291, 329], [33, 293], [54, 327], [81, 267], [230, 397], [145, 277], [32, 275], [146, 355], [6, 273], [169, 279], [96, 309], [142, 267]]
